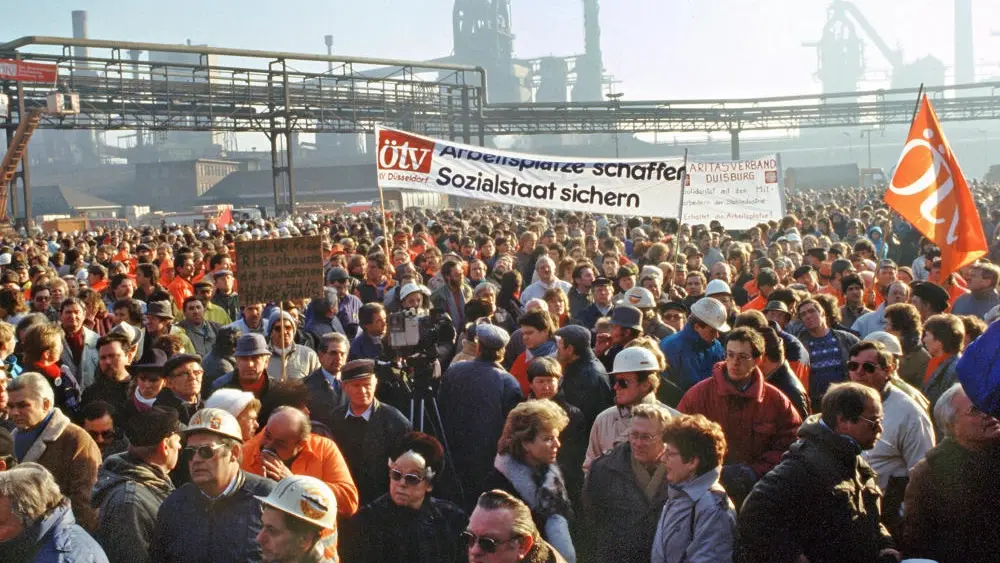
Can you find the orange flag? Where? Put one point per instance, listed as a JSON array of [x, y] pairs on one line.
[[929, 190]]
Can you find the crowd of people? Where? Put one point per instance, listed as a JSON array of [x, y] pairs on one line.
[[586, 388]]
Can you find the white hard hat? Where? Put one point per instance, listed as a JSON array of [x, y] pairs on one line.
[[216, 421], [635, 359], [651, 272], [412, 287], [716, 287], [710, 312], [890, 341], [306, 498], [640, 298]]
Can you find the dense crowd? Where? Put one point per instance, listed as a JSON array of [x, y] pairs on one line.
[[585, 388]]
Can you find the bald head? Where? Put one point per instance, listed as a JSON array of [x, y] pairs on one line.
[[286, 432]]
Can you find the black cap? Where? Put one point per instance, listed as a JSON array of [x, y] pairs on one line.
[[153, 365], [178, 361], [672, 306], [932, 294], [336, 274], [627, 316], [357, 369], [802, 270], [603, 281], [149, 428]]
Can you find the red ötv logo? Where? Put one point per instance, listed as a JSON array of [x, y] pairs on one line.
[[399, 151]]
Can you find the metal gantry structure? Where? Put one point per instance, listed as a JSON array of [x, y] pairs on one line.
[[280, 94]]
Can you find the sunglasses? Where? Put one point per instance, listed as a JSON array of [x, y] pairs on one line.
[[203, 452], [623, 383], [409, 479], [488, 545], [869, 367]]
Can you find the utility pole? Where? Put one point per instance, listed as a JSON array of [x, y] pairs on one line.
[[616, 103]]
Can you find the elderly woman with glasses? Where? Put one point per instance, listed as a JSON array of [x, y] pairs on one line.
[[407, 524], [698, 522]]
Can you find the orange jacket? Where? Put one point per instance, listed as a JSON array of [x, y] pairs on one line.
[[756, 304], [180, 289], [320, 458]]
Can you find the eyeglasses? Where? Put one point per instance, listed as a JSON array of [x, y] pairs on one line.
[[106, 434], [488, 545], [641, 437], [869, 367], [623, 383], [737, 357], [409, 479], [877, 423], [203, 452]]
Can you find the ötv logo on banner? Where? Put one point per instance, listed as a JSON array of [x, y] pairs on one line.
[[399, 151], [924, 167]]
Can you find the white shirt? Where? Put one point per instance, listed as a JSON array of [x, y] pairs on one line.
[[537, 290], [907, 435]]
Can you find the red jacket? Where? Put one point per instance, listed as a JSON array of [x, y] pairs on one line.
[[759, 423]]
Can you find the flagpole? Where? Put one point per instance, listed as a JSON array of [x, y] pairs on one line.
[[916, 107], [680, 212]]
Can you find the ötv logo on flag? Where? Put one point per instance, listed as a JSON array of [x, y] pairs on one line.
[[406, 153]]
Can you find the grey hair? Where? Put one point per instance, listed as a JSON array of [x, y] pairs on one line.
[[305, 427], [545, 260], [542, 304], [35, 383], [333, 338], [31, 491], [944, 410]]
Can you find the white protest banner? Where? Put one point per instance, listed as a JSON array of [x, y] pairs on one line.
[[619, 186], [739, 194]]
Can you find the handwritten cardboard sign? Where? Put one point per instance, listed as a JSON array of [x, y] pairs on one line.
[[281, 269]]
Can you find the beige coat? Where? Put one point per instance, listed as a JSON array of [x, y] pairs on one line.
[[72, 456]]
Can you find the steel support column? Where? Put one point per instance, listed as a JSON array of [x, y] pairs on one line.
[[734, 143]]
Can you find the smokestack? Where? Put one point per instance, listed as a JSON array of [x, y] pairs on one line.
[[329, 50], [965, 71], [80, 32]]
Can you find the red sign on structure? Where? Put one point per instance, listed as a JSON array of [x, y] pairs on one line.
[[27, 72]]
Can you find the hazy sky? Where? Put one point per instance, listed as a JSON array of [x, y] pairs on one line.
[[658, 49]]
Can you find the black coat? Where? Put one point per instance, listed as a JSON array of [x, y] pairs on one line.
[[573, 449], [382, 532], [323, 398], [822, 501], [115, 393], [366, 455], [586, 386], [785, 380]]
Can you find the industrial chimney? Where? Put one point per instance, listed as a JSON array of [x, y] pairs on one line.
[[965, 71], [80, 32], [329, 50]]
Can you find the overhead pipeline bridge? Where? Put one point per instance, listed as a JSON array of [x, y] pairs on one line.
[[205, 88]]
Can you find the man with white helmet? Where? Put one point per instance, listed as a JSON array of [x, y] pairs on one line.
[[692, 352], [299, 522], [652, 325], [894, 347], [216, 516], [721, 292], [635, 379], [907, 432]]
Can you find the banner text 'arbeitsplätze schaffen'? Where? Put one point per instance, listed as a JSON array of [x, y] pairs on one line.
[[621, 186]]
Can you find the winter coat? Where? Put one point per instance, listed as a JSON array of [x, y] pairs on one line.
[[323, 398], [698, 523], [128, 495], [870, 322], [474, 399], [942, 378], [759, 423], [72, 456], [913, 364], [191, 528], [216, 366], [589, 315], [979, 371], [544, 493], [623, 519], [689, 357], [299, 362], [821, 501], [952, 502], [112, 392], [382, 532], [610, 428], [203, 337], [384, 430], [787, 383], [185, 410], [86, 371], [320, 458], [56, 538], [586, 386]]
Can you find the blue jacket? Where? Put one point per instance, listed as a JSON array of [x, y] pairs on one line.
[[55, 539], [191, 528], [689, 358], [979, 371]]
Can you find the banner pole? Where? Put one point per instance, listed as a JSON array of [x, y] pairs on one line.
[[916, 107], [680, 212], [381, 197]]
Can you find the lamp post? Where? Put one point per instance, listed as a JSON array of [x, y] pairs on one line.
[[616, 103], [867, 134], [850, 143]]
